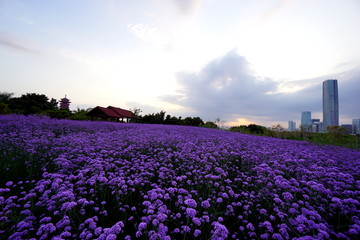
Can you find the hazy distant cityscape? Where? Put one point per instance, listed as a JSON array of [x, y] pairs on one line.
[[330, 101]]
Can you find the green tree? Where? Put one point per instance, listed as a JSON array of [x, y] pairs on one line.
[[4, 102], [59, 113], [278, 130], [335, 134], [257, 129], [80, 114], [136, 111], [158, 118], [210, 124], [250, 129], [5, 97], [3, 108], [32, 103], [172, 120], [195, 121]]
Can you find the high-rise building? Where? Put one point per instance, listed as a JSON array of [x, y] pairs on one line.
[[292, 126], [356, 126], [306, 120], [315, 125], [330, 103]]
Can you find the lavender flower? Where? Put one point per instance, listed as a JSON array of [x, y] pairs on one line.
[[190, 203], [190, 212], [205, 204], [197, 232], [220, 231]]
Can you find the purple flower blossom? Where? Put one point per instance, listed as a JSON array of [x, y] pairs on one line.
[[196, 221], [205, 204], [111, 237], [9, 183], [287, 196], [98, 231], [190, 212], [161, 217], [220, 231], [190, 203], [116, 228], [277, 236], [250, 227], [67, 206], [185, 228], [197, 232]]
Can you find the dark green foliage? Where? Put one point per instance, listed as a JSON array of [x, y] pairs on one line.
[[32, 103], [250, 129], [210, 124], [160, 118], [5, 97], [80, 114], [172, 120], [196, 121], [4, 102], [59, 113], [3, 108], [157, 118]]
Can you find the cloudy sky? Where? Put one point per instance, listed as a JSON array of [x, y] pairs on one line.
[[244, 61]]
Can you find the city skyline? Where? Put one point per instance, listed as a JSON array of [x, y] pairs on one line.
[[241, 61]]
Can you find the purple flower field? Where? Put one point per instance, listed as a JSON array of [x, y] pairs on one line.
[[64, 179]]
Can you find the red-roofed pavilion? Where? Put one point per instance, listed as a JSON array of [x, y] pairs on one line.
[[111, 114]]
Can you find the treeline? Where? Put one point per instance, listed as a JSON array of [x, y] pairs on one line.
[[163, 118], [33, 103], [251, 129], [30, 103]]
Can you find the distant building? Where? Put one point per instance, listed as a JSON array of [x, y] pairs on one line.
[[330, 103], [306, 121], [356, 126], [315, 121], [65, 103], [347, 127], [316, 125], [292, 126]]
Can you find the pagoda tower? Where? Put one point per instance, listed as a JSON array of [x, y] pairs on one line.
[[65, 103]]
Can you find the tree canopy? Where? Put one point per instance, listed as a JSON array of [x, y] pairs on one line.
[[30, 103]]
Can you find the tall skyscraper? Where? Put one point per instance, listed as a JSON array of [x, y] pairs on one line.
[[306, 121], [292, 126], [330, 103]]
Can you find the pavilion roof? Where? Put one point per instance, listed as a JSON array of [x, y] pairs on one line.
[[110, 112], [122, 112]]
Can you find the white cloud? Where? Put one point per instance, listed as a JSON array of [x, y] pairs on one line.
[[150, 33]]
